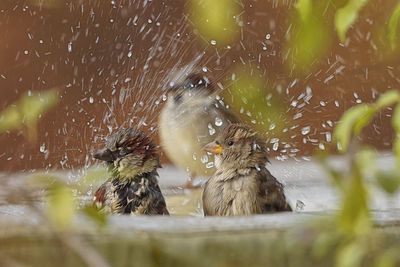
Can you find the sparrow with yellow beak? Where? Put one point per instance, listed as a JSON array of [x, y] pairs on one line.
[[191, 118], [133, 187], [241, 185]]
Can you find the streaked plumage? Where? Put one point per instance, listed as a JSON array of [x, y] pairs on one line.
[[241, 185], [133, 187], [191, 118]]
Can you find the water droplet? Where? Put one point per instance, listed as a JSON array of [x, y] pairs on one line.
[[69, 47], [297, 116], [91, 100], [268, 36], [194, 156], [129, 54], [211, 130], [300, 205], [210, 165], [213, 42], [218, 122], [42, 148], [305, 130], [275, 146], [204, 159], [328, 137]]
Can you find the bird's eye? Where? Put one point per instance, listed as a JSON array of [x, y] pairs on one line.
[[230, 143]]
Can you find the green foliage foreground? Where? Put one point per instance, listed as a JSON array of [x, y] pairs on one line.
[[351, 237]]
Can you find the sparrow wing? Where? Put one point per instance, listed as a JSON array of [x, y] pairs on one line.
[[208, 201], [100, 196], [140, 197], [271, 193]]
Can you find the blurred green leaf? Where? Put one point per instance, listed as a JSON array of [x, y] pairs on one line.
[[346, 16], [216, 21], [308, 40], [357, 117], [389, 180], [10, 119], [255, 103], [342, 132], [340, 3], [364, 120], [354, 216], [388, 258], [396, 148], [388, 98], [96, 216], [305, 8], [396, 119], [95, 174], [325, 243], [351, 255], [393, 26], [60, 206], [396, 126], [45, 180], [365, 159], [27, 111]]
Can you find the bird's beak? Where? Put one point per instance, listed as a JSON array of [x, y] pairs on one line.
[[213, 148], [105, 155]]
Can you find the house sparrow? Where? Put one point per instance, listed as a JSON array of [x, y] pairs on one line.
[[190, 119], [133, 187], [241, 185]]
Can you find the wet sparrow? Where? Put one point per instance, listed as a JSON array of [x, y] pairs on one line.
[[241, 185], [191, 118], [133, 187]]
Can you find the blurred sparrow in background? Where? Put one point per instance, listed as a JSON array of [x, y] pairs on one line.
[[191, 118], [241, 185], [133, 187]]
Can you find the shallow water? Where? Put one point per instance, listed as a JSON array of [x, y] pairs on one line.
[[307, 188]]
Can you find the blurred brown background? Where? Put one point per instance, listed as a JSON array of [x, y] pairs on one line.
[[111, 59]]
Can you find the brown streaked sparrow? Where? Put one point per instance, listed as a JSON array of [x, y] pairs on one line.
[[241, 185], [191, 118], [133, 187]]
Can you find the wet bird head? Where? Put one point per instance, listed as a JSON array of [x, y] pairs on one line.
[[194, 86], [129, 153], [238, 146]]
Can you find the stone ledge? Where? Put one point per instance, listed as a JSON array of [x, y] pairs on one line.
[[264, 240]]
